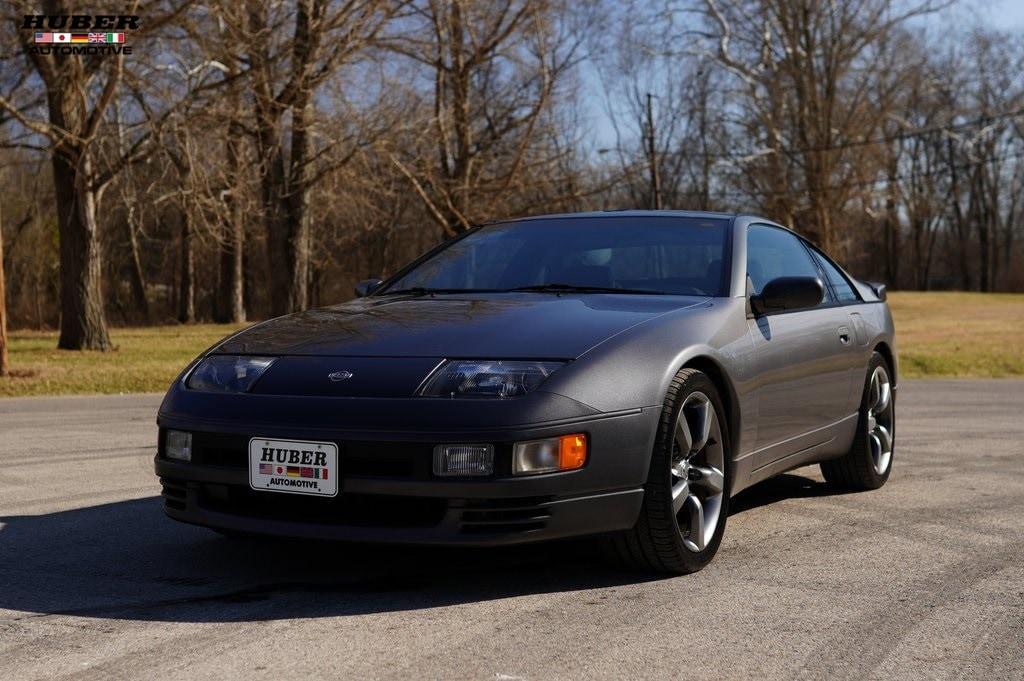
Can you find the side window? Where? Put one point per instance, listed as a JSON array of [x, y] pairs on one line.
[[774, 253], [843, 291]]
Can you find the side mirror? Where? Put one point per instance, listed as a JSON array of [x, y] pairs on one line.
[[878, 288], [366, 287], [788, 293]]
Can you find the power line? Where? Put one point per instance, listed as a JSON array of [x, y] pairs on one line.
[[945, 170], [909, 134]]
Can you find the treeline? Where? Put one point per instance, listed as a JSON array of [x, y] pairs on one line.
[[253, 158]]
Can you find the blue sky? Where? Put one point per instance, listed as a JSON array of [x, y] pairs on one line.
[[1007, 15]]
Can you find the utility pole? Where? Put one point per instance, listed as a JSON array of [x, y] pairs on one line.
[[4, 366], [652, 157]]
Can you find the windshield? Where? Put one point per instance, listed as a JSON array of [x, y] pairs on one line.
[[666, 255]]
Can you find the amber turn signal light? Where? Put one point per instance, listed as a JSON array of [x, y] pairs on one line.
[[550, 455], [572, 451]]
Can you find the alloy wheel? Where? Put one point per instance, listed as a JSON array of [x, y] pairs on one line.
[[880, 420], [698, 471]]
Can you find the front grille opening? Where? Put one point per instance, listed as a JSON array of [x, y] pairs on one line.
[[396, 460]]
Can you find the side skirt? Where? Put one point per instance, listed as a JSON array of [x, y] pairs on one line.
[[827, 442]]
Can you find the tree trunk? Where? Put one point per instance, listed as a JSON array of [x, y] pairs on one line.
[[286, 214], [892, 228], [187, 297], [136, 278], [83, 323], [300, 236], [276, 221], [231, 291], [4, 361], [231, 295]]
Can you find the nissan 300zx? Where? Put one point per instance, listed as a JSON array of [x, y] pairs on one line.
[[617, 374]]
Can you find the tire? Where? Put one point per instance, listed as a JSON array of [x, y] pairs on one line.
[[868, 463], [663, 539]]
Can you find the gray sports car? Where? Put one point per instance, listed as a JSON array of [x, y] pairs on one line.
[[618, 374]]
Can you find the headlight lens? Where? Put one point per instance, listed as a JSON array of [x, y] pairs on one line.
[[227, 374], [487, 378]]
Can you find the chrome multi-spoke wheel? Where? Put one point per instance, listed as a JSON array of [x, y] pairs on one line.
[[686, 498], [697, 471], [868, 462], [880, 420]]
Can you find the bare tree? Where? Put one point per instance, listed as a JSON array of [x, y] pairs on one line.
[[79, 92], [283, 77], [807, 69], [678, 131], [493, 69]]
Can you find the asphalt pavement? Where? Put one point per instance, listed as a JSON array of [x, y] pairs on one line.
[[923, 578]]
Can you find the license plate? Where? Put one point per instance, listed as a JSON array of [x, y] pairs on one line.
[[293, 466]]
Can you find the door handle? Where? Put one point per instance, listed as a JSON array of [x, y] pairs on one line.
[[844, 335]]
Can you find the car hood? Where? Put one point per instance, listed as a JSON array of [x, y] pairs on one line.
[[512, 326]]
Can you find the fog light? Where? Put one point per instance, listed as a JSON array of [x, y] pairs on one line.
[[178, 445], [564, 453], [463, 460]]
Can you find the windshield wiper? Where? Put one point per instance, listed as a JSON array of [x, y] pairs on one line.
[[423, 290], [571, 288]]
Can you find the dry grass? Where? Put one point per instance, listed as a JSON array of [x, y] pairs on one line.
[[938, 334], [959, 334]]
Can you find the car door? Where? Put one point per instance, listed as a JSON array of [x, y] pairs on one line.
[[800, 356], [850, 323]]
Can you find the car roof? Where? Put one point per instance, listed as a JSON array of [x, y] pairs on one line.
[[627, 213]]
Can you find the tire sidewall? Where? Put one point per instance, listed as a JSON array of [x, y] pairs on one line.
[[659, 478]]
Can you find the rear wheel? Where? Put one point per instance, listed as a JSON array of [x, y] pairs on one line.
[[868, 463], [686, 498]]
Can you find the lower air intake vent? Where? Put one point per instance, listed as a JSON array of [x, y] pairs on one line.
[[496, 516]]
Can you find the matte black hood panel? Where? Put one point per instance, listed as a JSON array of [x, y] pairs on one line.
[[483, 326], [345, 376]]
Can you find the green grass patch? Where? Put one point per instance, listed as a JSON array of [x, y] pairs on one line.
[[937, 335], [145, 360]]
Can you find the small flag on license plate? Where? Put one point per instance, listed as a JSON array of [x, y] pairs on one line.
[[78, 38], [266, 469], [106, 37]]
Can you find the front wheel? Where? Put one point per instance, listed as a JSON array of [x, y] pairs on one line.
[[686, 497], [868, 463]]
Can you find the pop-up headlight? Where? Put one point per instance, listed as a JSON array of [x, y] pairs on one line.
[[227, 373], [487, 378]]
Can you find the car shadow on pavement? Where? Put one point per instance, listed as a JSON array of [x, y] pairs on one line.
[[126, 560], [785, 486]]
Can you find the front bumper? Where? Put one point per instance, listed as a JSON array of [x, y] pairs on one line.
[[388, 492]]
